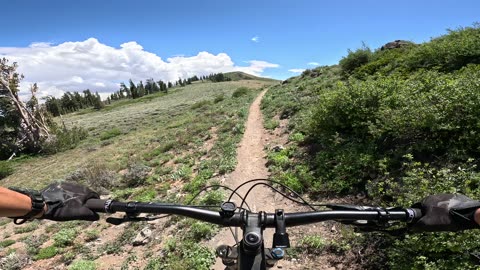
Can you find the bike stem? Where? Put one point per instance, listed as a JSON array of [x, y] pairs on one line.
[[251, 253]]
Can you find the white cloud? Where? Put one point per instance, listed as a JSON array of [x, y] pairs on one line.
[[297, 70], [256, 39], [313, 64], [75, 66]]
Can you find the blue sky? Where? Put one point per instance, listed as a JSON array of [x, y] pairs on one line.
[[290, 34]]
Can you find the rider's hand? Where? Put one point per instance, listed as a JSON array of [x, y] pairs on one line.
[[446, 212], [66, 201]]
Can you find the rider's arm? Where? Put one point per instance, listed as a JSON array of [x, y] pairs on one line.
[[63, 201], [15, 204], [477, 216]]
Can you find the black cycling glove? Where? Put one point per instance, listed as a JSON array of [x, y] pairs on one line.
[[446, 212], [66, 201]]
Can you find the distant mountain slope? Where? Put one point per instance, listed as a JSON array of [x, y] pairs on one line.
[[238, 76]]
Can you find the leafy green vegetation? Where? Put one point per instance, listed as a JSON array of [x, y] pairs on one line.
[[83, 265], [396, 124], [183, 255], [114, 132], [240, 92], [6, 169], [46, 253], [28, 227], [6, 243], [65, 237]]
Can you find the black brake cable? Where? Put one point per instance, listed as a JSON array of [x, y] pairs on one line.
[[302, 202], [270, 186]]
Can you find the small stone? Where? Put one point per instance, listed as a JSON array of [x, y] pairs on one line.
[[143, 237], [278, 148]]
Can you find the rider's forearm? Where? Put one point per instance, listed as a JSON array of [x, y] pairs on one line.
[[14, 204]]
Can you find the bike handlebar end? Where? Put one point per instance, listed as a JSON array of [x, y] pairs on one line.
[[414, 214]]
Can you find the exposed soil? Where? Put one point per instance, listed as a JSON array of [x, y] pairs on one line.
[[251, 159]]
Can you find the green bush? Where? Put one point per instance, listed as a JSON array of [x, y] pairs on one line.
[[114, 132], [183, 255], [6, 169], [146, 194], [6, 243], [28, 227], [83, 265], [65, 237], [201, 230], [366, 127], [200, 104], [219, 98], [447, 53], [355, 59], [46, 253], [313, 243], [241, 91], [64, 139], [91, 235]]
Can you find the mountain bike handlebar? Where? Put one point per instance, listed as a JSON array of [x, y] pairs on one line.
[[267, 220], [250, 253]]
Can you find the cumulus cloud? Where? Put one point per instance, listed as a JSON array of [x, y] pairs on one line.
[[297, 70], [313, 64], [256, 39], [75, 66]]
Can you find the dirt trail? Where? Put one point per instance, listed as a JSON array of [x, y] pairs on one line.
[[251, 165]]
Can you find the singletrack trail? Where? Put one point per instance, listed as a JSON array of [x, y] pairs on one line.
[[252, 165]]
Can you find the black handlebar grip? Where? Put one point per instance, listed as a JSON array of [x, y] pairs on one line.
[[96, 205]]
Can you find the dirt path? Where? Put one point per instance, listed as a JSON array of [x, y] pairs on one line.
[[251, 165]]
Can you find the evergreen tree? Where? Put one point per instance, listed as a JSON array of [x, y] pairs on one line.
[[133, 90], [140, 89]]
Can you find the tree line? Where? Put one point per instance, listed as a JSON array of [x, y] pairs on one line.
[[74, 101]]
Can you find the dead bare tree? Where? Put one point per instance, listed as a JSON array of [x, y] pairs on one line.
[[33, 129]]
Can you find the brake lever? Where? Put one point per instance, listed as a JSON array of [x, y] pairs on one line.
[[351, 207], [366, 225]]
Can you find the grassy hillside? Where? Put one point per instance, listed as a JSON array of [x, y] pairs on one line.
[[238, 76], [396, 125], [160, 147]]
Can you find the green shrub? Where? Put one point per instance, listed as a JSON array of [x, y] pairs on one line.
[[200, 104], [83, 265], [219, 98], [241, 91], [313, 243], [201, 230], [28, 227], [136, 175], [6, 169], [114, 132], [91, 235], [14, 261], [184, 255], [6, 243], [447, 53], [146, 194], [212, 197], [65, 237], [365, 126], [46, 253], [355, 59], [271, 124], [64, 139]]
